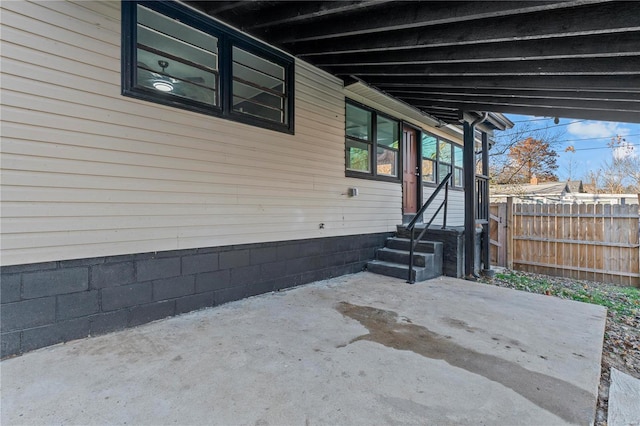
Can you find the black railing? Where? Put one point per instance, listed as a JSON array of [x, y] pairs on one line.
[[482, 204], [412, 225]]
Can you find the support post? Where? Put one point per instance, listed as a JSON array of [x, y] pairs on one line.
[[509, 226], [469, 167], [486, 256]]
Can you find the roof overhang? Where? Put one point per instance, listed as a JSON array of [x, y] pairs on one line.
[[574, 59]]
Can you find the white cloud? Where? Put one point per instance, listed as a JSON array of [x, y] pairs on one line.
[[624, 150], [596, 129]]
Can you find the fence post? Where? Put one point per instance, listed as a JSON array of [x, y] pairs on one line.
[[509, 226]]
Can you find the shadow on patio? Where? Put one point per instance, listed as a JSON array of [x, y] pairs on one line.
[[359, 349]]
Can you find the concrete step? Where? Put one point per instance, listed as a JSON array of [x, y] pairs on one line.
[[397, 270], [422, 247], [402, 256], [402, 232], [393, 260]]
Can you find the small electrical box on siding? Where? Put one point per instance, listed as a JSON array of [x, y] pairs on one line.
[[353, 192]]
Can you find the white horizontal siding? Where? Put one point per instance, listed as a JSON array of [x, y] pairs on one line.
[[455, 209], [87, 172]]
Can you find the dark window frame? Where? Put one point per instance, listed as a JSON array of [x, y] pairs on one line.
[[438, 163], [434, 161], [227, 39], [373, 143]]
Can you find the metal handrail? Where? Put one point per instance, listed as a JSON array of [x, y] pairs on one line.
[[411, 226]]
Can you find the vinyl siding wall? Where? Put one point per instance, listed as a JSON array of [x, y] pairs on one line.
[[455, 209], [87, 172]]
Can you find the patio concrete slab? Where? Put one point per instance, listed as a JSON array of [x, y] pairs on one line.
[[624, 400], [360, 349]]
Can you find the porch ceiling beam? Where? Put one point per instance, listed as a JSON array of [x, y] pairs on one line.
[[477, 93], [629, 83], [408, 15], [569, 58], [572, 47], [446, 114], [215, 8], [580, 21], [314, 10], [603, 113], [463, 101], [257, 16], [615, 65]]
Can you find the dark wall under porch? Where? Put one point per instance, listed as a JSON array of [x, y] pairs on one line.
[[47, 303]]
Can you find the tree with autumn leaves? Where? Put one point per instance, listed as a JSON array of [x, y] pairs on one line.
[[528, 158]]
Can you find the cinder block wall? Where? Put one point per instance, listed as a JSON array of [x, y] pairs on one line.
[[47, 303]]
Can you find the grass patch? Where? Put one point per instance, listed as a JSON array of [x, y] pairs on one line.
[[623, 301]]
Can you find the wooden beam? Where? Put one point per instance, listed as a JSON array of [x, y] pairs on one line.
[[410, 15], [288, 13], [622, 82], [461, 100], [603, 113], [216, 8], [477, 93], [488, 104], [446, 116], [601, 18], [613, 65], [571, 47]]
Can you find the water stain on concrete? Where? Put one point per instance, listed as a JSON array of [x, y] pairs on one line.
[[453, 322], [559, 397]]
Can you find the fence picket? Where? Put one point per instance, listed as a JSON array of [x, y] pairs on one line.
[[595, 241], [599, 236]]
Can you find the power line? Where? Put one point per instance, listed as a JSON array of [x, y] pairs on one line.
[[506, 134], [602, 137], [606, 147], [593, 139]]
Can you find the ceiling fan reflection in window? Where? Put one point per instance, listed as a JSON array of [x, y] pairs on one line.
[[162, 80]]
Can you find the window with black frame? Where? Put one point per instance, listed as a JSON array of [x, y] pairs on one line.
[[458, 175], [439, 157], [258, 87], [176, 56], [445, 158], [387, 147], [372, 145], [429, 158], [175, 59]]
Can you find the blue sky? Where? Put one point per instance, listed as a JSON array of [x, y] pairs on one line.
[[589, 139]]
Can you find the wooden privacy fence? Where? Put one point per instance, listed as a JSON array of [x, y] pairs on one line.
[[582, 241]]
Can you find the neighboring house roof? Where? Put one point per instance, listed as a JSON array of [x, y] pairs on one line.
[[576, 186], [541, 189]]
